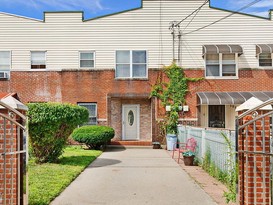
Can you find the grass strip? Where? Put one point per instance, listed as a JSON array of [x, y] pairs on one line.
[[47, 181]]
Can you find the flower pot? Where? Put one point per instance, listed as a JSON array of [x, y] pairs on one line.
[[188, 160]]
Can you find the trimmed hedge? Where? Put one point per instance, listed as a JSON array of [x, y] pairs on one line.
[[49, 126], [93, 136]]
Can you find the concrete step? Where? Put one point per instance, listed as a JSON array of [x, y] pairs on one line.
[[128, 147]]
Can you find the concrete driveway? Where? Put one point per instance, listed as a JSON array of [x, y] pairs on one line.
[[133, 177]]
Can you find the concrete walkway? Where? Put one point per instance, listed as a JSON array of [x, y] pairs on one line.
[[133, 177]]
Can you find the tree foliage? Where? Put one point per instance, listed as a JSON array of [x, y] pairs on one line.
[[49, 126], [93, 136]]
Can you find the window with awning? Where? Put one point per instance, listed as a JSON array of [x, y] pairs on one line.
[[264, 53], [222, 60]]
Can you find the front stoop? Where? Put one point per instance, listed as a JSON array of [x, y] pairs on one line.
[[131, 143]]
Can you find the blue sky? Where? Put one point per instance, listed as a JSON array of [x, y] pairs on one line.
[[94, 8]]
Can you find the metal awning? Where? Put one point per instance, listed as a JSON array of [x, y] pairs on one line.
[[231, 98], [264, 48], [225, 49]]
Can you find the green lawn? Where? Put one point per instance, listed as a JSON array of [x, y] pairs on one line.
[[46, 181]]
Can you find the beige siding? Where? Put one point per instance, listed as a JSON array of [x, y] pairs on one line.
[[62, 35]]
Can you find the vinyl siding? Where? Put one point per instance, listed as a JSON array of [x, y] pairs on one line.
[[63, 35]]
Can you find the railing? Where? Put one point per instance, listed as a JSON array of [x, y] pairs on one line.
[[211, 141]]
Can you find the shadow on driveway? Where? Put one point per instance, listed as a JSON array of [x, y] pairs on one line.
[[103, 162]]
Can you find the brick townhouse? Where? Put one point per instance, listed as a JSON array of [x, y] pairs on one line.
[[108, 64]]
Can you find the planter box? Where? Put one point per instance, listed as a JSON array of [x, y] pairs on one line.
[[188, 161]]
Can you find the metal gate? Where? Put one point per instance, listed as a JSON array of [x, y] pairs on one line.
[[254, 129], [13, 156]]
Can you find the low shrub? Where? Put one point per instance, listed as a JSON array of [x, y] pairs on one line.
[[50, 125], [93, 136]]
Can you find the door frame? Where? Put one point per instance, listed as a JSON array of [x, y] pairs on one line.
[[137, 120]]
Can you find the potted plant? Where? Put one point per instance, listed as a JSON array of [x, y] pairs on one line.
[[188, 157]]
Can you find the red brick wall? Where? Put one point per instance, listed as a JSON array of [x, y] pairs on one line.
[[94, 86], [254, 168], [98, 85], [11, 163]]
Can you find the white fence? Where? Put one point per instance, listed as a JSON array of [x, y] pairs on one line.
[[210, 140]]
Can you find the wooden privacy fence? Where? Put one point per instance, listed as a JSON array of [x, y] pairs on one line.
[[211, 141]]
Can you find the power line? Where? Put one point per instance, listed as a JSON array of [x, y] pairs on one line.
[[234, 12], [192, 13], [191, 19]]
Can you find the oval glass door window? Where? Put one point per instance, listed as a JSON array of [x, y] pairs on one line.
[[131, 118]]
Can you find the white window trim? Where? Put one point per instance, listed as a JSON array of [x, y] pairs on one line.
[[96, 111], [131, 64], [265, 67], [221, 67], [10, 60], [45, 60], [94, 59]]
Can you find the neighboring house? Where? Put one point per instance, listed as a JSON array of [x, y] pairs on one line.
[[108, 64]]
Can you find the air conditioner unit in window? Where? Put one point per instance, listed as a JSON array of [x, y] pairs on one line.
[[4, 75]]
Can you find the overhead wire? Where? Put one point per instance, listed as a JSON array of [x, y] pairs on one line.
[[191, 19], [192, 13], [221, 19]]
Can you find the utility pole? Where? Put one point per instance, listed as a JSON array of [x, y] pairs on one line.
[[179, 47], [172, 29], [176, 33]]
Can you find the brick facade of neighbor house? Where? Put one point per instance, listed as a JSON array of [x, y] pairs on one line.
[[101, 87]]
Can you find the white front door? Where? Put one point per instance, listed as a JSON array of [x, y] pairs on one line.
[[130, 122]]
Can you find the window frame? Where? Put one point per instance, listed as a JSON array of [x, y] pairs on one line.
[[94, 59], [39, 66], [131, 64], [269, 67], [10, 60], [221, 76], [90, 116]]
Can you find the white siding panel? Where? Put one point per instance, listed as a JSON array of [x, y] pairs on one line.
[[62, 35]]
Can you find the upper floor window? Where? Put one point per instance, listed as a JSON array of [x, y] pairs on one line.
[[38, 59], [221, 65], [265, 59], [222, 60], [87, 59], [131, 64], [92, 109], [5, 60], [265, 54]]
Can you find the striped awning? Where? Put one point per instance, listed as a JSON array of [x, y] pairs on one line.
[[264, 48], [231, 98], [225, 49]]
